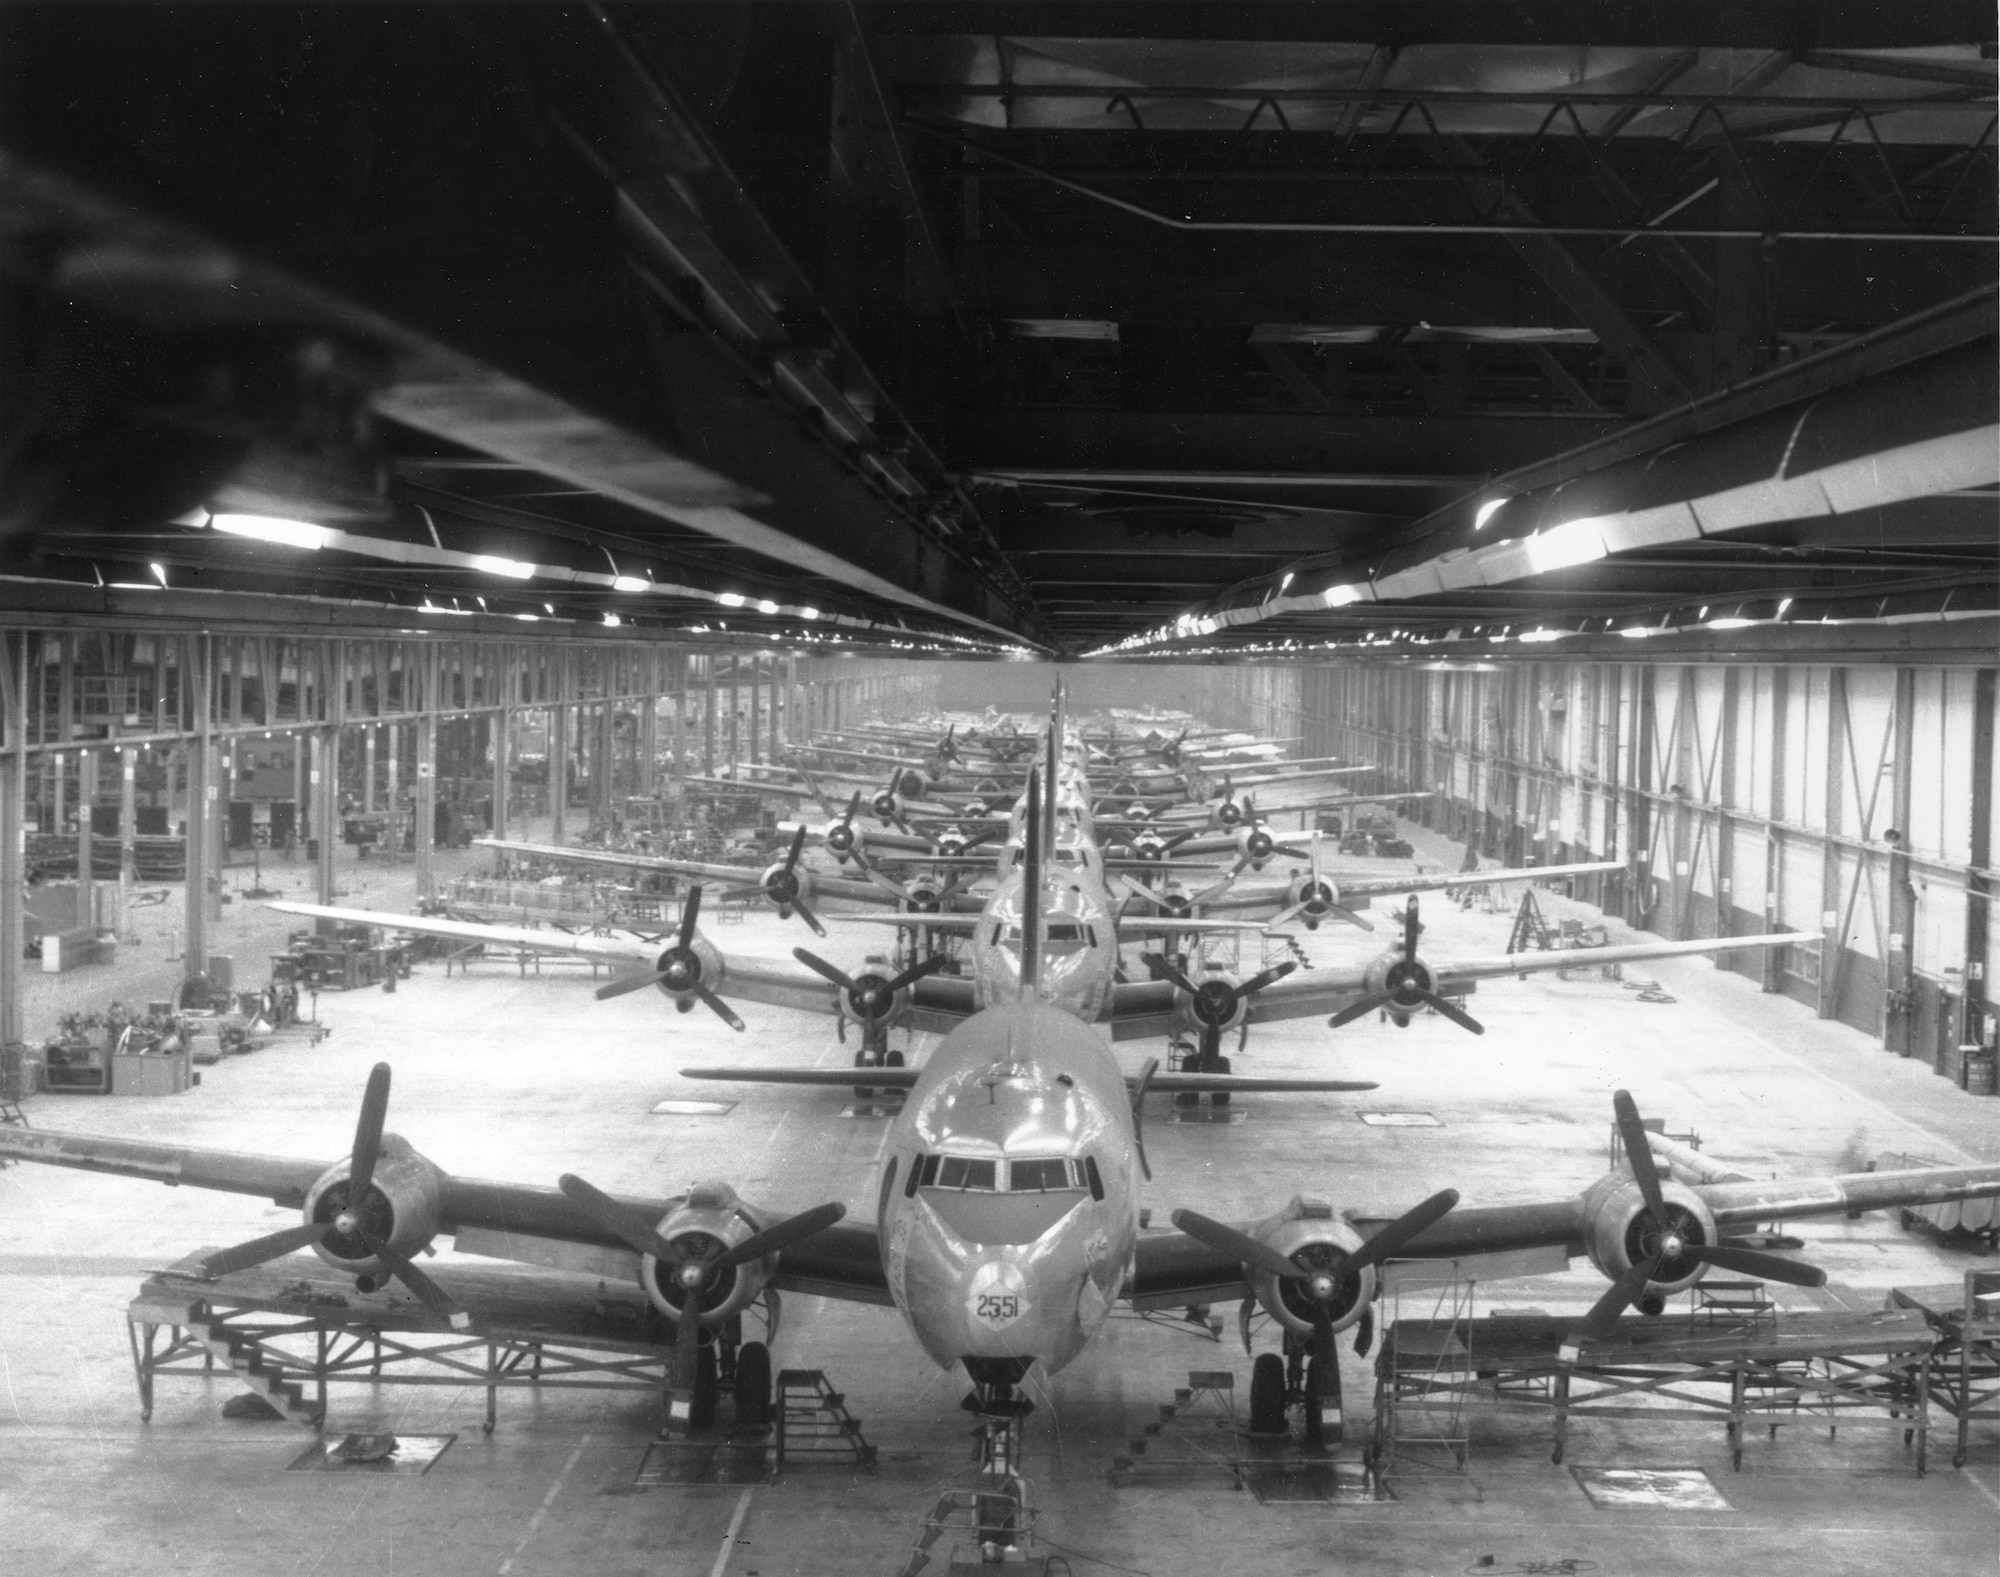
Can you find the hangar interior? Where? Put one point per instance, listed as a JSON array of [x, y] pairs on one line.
[[506, 506]]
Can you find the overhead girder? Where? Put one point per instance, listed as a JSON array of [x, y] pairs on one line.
[[553, 357]]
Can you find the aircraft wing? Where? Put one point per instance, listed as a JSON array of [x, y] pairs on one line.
[[734, 875], [905, 1078], [1326, 988], [1173, 1269], [752, 980], [1494, 968], [757, 786], [1368, 887], [512, 1221], [612, 949]]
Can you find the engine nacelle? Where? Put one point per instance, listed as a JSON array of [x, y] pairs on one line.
[[681, 969], [1620, 1232], [710, 1220], [1308, 1233], [404, 1207]]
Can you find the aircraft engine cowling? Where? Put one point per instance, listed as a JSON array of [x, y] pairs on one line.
[[1403, 980], [1620, 1232], [1313, 1238], [681, 969], [404, 1207], [705, 1225], [1315, 898]]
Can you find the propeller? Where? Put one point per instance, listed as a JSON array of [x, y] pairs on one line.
[[1318, 898], [352, 1218], [680, 970], [870, 998], [1661, 1229], [784, 887], [1407, 985], [693, 1269], [1139, 1088], [841, 836], [1322, 1273], [1214, 1001]]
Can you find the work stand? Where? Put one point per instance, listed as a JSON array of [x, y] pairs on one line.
[[1828, 1370], [291, 1330], [1965, 1363], [1201, 1437]]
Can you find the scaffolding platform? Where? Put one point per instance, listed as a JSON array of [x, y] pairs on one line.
[[294, 1327], [1825, 1369], [1965, 1363]]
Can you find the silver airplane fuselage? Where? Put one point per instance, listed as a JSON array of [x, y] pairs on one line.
[[1009, 1205], [1009, 1201]]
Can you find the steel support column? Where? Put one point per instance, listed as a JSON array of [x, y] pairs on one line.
[[197, 685], [13, 810], [1833, 944], [1978, 879], [1774, 840], [424, 838], [1726, 800], [1897, 1002]]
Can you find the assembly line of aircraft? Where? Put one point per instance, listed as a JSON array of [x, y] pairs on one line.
[[1006, 1221]]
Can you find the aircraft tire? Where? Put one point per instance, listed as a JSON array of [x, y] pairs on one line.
[[1267, 1395], [753, 1385], [1221, 1064], [893, 1060]]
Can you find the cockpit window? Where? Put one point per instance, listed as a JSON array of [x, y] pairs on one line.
[[962, 1171], [1041, 1174]]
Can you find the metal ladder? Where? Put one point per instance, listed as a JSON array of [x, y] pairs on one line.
[[241, 1354], [813, 1420]]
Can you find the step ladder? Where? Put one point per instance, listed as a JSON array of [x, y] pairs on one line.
[[240, 1353], [1530, 931], [11, 1116], [813, 1420]]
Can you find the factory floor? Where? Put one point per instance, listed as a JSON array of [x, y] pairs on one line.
[[523, 1078]]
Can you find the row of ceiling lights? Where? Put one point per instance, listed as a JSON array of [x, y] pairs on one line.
[[311, 537]]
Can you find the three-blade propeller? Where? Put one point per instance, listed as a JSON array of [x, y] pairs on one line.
[[352, 1219], [691, 1266], [1320, 1272], [1407, 986], [1662, 1229], [870, 998], [679, 970], [1213, 1002]]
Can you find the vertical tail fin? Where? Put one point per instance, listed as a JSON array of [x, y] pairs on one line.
[[1031, 887]]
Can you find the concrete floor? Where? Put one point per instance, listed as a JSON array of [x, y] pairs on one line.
[[500, 1076]]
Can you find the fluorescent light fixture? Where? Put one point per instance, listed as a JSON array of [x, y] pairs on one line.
[[159, 572], [1562, 547], [528, 618], [1340, 596], [1543, 635], [1487, 511], [730, 599], [1730, 624], [272, 528], [133, 585], [513, 569], [1285, 584], [767, 606], [1783, 606], [808, 613], [431, 607], [1637, 632], [629, 583], [613, 620]]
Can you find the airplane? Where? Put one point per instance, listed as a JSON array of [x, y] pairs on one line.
[[1007, 1220]]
